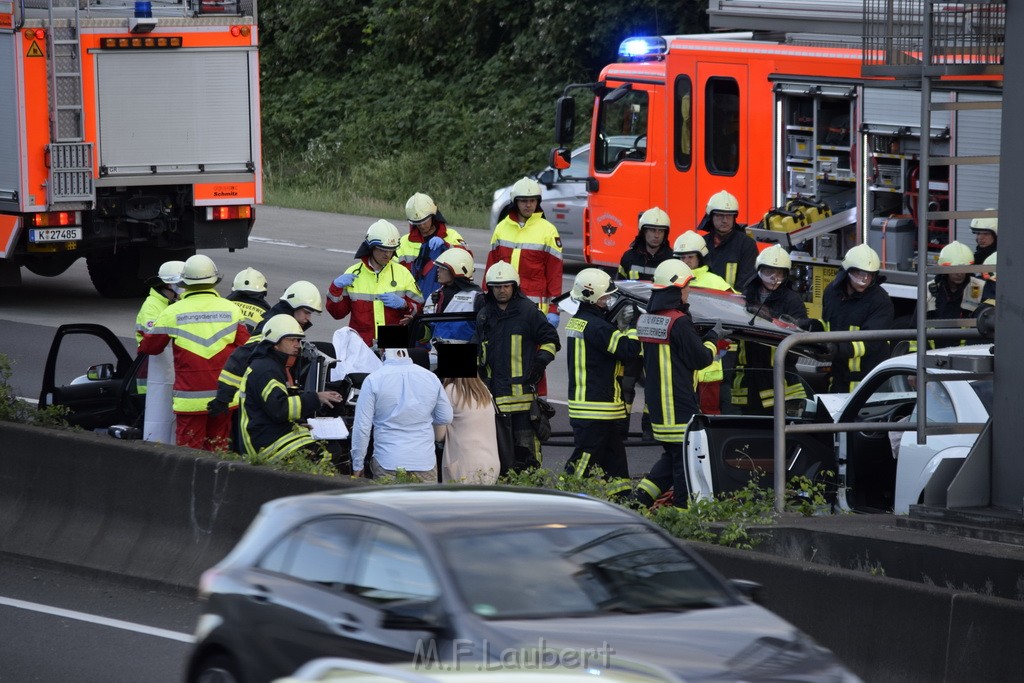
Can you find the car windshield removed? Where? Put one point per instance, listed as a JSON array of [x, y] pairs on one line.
[[558, 570]]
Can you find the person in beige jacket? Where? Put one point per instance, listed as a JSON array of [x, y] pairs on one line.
[[470, 441]]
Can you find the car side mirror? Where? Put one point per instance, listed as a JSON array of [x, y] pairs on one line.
[[100, 373], [561, 158], [547, 177], [751, 590]]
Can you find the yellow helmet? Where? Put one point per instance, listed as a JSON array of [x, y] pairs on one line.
[[383, 234], [501, 273], [591, 284], [250, 280], [862, 257], [303, 294], [654, 218], [459, 261], [956, 254], [200, 270], [723, 202], [774, 257], [672, 273], [990, 261], [280, 326], [688, 243], [170, 272], [987, 223], [525, 188], [419, 208]]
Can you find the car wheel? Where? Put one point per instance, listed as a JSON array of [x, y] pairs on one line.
[[217, 669]]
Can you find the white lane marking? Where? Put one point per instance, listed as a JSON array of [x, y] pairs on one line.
[[102, 621]]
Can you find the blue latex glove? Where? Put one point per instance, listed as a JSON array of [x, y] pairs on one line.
[[553, 319], [435, 243], [392, 300], [345, 280]]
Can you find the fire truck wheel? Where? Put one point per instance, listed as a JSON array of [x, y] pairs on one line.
[[116, 276]]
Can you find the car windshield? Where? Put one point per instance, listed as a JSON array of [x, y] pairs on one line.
[[559, 570]]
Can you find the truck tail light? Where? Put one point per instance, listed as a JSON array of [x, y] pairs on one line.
[[228, 213], [56, 219]]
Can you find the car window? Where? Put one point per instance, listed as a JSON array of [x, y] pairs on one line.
[[895, 399], [625, 118], [579, 165], [567, 570], [983, 388], [320, 551], [391, 567]]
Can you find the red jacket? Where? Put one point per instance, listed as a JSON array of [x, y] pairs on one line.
[[535, 251], [362, 297]]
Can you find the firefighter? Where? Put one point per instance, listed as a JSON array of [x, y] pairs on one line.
[[458, 293], [527, 241], [272, 404], [249, 292], [947, 296], [768, 295], [516, 342], [731, 252], [986, 234], [377, 290], [988, 291], [855, 300], [163, 291], [204, 330], [597, 353], [649, 249], [673, 353], [429, 236], [692, 249]]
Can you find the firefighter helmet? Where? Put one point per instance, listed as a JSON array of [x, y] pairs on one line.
[[419, 208], [654, 218], [672, 273], [303, 294], [723, 202], [989, 223], [956, 254], [862, 257], [501, 273], [383, 234], [591, 284], [200, 270], [170, 272], [280, 326], [458, 261], [250, 280], [774, 257], [688, 243], [990, 260], [525, 188]]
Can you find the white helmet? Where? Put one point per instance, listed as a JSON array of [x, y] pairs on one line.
[[688, 243], [591, 284], [525, 188], [170, 272], [200, 270], [459, 261], [419, 208], [774, 257], [988, 223], [303, 294], [250, 280], [383, 234], [654, 218], [956, 254], [280, 326], [672, 273], [990, 261], [723, 202], [862, 257], [501, 273]]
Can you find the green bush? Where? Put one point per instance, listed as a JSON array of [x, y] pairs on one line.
[[13, 409]]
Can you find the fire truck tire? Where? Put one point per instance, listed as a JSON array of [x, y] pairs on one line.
[[116, 276]]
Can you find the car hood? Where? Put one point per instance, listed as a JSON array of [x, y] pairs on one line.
[[742, 642]]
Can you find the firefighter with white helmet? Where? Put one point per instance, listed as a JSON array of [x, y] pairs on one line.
[[516, 343], [597, 355], [249, 292], [731, 252], [163, 291], [949, 295], [649, 248], [673, 353], [692, 249], [855, 300], [429, 236], [377, 290], [986, 235], [527, 241], [204, 330], [458, 293], [273, 403]]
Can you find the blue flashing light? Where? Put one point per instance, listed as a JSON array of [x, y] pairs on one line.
[[143, 9], [640, 48]]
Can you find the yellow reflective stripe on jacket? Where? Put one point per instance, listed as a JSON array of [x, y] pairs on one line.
[[191, 401], [597, 410], [650, 488], [668, 403], [618, 335], [712, 373], [669, 433], [730, 273], [517, 403], [516, 368], [859, 349], [294, 403], [550, 348], [579, 370]]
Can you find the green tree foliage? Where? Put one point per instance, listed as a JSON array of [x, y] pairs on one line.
[[382, 98]]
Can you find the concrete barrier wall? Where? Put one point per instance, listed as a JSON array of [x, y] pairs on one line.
[[887, 629], [129, 507]]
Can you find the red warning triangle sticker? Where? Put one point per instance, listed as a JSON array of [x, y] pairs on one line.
[[33, 50]]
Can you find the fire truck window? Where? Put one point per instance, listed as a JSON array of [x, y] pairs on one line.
[[683, 121], [622, 131], [722, 127]]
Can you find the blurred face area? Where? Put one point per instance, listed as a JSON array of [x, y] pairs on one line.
[[654, 238], [502, 293], [426, 226], [771, 278], [691, 259], [684, 294], [289, 346], [526, 206], [859, 279], [723, 222], [302, 315], [985, 238], [607, 301], [444, 276], [381, 256], [957, 278]]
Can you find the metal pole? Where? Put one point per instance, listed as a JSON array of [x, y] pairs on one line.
[[924, 178]]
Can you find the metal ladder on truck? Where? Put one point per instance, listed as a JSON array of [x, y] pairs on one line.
[[70, 185]]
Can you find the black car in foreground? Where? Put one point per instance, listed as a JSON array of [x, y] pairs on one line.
[[481, 575]]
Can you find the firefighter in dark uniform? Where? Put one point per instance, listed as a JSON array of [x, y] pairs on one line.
[[768, 295], [516, 344], [951, 296], [597, 351], [855, 300], [731, 252], [673, 353], [986, 234], [649, 249]]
